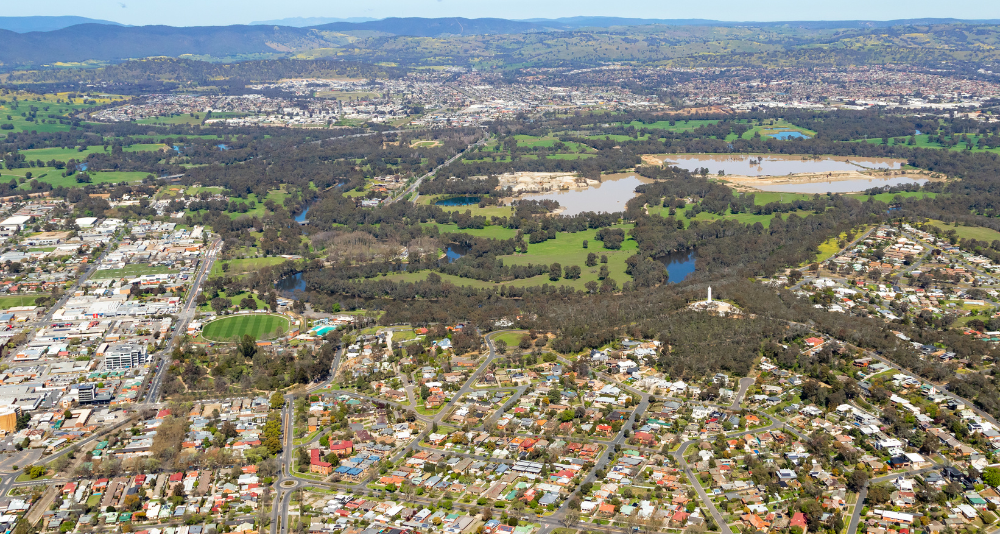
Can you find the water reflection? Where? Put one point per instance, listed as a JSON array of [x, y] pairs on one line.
[[785, 136], [774, 165], [455, 251], [679, 265], [458, 201], [288, 285], [609, 197], [302, 216], [845, 186]]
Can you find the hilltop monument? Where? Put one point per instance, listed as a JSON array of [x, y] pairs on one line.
[[716, 306]]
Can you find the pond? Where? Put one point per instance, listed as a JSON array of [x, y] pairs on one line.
[[288, 285], [458, 201], [843, 186], [615, 190], [679, 265], [455, 251], [222, 147], [774, 165], [785, 136]]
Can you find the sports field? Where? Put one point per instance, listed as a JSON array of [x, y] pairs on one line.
[[258, 326]]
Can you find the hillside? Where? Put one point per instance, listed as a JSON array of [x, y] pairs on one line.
[[46, 24], [499, 43]]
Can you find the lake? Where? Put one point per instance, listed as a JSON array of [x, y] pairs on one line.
[[679, 265], [615, 190], [288, 285], [458, 201], [844, 186], [774, 165], [785, 136]]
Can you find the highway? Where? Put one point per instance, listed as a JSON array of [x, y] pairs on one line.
[[412, 188], [160, 360]]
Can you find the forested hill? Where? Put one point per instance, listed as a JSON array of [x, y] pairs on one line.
[[423, 27], [493, 43], [46, 24]]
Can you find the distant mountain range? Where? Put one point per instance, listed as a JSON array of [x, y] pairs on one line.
[[46, 24], [304, 22], [605, 22], [421, 27], [37, 41]]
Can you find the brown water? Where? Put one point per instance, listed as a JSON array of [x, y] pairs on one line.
[[843, 186], [615, 190], [775, 165]]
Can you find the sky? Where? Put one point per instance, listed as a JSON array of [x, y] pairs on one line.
[[224, 12]]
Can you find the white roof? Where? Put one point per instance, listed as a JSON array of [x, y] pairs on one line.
[[17, 219]]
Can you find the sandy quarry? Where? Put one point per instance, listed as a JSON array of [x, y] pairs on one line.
[[750, 183], [542, 182]]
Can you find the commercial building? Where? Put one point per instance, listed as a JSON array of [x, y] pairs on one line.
[[124, 356]]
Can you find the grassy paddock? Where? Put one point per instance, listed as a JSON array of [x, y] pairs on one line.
[[131, 271], [510, 338], [978, 233], [18, 300], [239, 267]]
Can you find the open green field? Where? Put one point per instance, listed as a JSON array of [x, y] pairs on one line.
[[131, 271], [761, 198], [566, 249], [510, 338], [176, 119], [744, 218], [677, 126], [978, 233], [18, 300], [923, 141], [236, 298], [889, 197], [56, 104], [51, 175], [773, 126], [56, 179], [258, 326], [277, 195], [66, 154], [239, 267], [491, 232], [531, 141]]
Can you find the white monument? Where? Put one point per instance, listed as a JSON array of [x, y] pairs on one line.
[[721, 307]]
